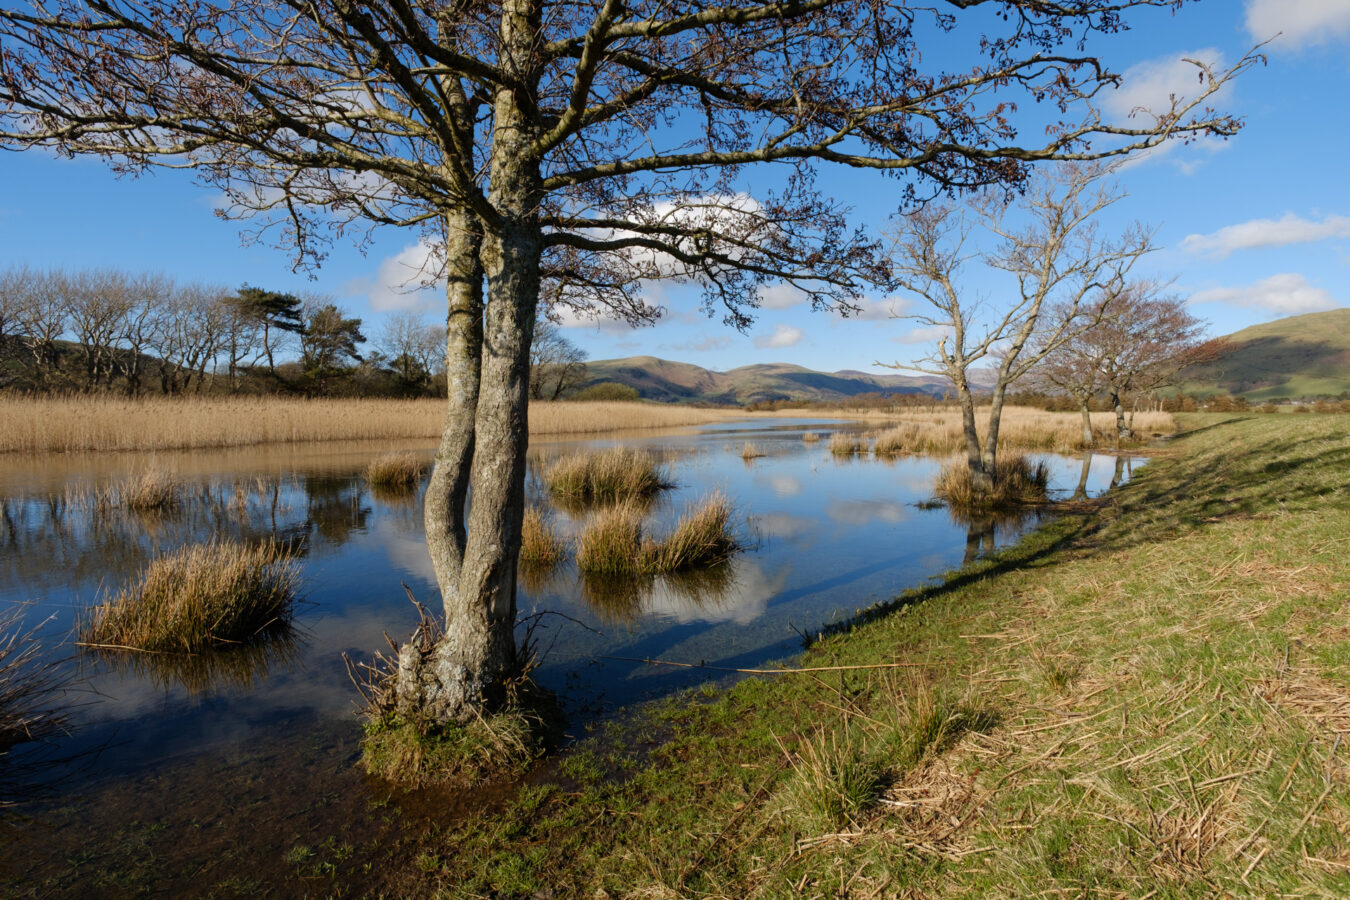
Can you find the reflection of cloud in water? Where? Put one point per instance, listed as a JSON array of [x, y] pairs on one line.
[[405, 547], [743, 599], [783, 525], [782, 485], [863, 512]]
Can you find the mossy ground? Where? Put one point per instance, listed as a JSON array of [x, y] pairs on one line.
[[1146, 698]]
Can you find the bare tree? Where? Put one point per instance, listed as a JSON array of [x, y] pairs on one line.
[[556, 364], [43, 318], [1058, 258], [403, 341], [97, 302], [136, 331], [14, 282], [577, 147]]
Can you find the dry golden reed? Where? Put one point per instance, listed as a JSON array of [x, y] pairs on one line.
[[396, 471], [842, 444], [72, 424], [198, 597], [605, 476], [1021, 428], [615, 543], [1017, 481], [540, 545]]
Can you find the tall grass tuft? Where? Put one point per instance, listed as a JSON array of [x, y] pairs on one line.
[[810, 437], [607, 476], [614, 542], [196, 598], [700, 538], [751, 450], [1017, 482], [842, 444], [396, 471], [540, 546], [833, 782]]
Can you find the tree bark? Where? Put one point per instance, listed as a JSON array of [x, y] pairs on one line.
[[1122, 430], [1089, 439]]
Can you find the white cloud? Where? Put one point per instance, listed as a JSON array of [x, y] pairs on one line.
[[927, 335], [781, 296], [404, 281], [1287, 294], [1267, 233], [879, 309], [1298, 22], [783, 336], [1151, 86]]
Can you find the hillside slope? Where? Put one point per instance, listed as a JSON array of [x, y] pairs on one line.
[[1299, 356], [660, 379]]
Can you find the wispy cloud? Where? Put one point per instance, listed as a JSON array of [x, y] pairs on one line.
[[781, 296], [1287, 294], [783, 336], [408, 280], [879, 309], [927, 335], [1149, 88], [1298, 22], [1290, 229]]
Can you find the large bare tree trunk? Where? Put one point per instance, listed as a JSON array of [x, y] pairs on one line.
[[466, 670], [979, 476], [990, 455], [1089, 439], [1122, 430]]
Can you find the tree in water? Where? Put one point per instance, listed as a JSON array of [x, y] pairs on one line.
[[1058, 260], [577, 149]]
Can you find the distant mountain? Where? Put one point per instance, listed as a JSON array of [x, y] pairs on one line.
[[1299, 356], [661, 379]]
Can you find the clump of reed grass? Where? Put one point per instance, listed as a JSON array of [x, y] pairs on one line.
[[842, 444], [27, 686], [906, 437], [396, 471], [614, 541], [833, 783], [810, 437], [751, 450], [199, 597], [1017, 482], [607, 476], [540, 545]]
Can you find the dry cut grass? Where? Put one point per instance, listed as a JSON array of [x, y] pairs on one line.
[[77, 424], [1021, 428], [197, 598]]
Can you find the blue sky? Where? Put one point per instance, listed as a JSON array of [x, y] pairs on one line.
[[1249, 229]]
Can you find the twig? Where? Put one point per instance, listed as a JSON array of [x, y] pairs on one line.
[[132, 649], [665, 662]]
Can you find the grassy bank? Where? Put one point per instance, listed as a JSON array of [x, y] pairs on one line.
[[1143, 699]]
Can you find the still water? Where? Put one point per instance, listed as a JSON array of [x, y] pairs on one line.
[[235, 773]]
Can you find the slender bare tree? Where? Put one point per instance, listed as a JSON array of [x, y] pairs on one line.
[[1058, 259], [575, 147], [556, 364]]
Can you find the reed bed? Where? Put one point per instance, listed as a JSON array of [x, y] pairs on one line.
[[614, 542], [751, 450], [78, 424], [810, 437], [1021, 428], [199, 597], [396, 471], [607, 476], [153, 490], [1017, 482]]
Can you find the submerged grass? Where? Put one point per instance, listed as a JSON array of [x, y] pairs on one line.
[[199, 597], [396, 471], [607, 476], [29, 688], [1143, 698], [842, 444]]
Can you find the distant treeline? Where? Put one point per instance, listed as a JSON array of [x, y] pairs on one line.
[[106, 330]]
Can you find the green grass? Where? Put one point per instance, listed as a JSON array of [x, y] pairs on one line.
[[1140, 699], [199, 597]]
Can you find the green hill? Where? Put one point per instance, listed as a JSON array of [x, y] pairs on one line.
[[660, 379], [1300, 356]]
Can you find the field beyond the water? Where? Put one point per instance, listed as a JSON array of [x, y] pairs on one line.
[[1145, 698]]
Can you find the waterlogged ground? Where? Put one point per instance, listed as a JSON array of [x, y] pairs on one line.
[[234, 775]]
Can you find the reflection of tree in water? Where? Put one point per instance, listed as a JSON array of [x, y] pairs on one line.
[[984, 532], [335, 506], [621, 599], [233, 668]]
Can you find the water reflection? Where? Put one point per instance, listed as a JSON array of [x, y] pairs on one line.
[[233, 669]]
